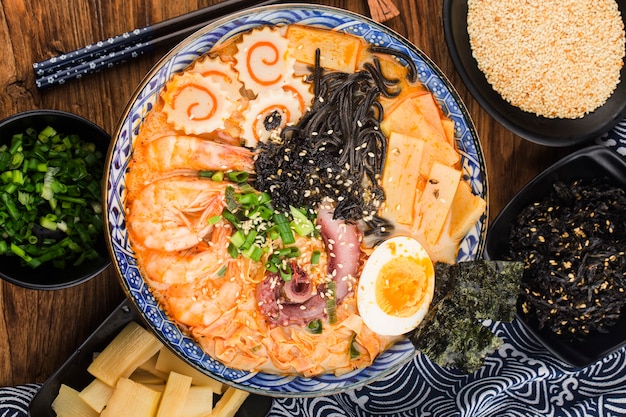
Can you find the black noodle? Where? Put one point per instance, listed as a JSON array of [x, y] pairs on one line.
[[412, 75], [336, 151]]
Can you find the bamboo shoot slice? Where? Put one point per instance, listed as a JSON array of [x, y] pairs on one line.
[[96, 394], [174, 396], [436, 201], [168, 362], [199, 402], [401, 176], [133, 346], [230, 402], [69, 404], [131, 399]]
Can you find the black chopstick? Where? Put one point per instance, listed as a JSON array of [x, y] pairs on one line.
[[130, 45]]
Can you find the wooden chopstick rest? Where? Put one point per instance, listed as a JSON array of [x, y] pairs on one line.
[[382, 10]]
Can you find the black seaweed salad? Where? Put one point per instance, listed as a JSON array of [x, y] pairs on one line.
[[573, 244]]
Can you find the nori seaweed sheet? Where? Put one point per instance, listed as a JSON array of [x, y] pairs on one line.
[[452, 333]]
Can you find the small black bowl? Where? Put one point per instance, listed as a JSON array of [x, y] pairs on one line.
[[593, 162], [47, 277], [541, 130]]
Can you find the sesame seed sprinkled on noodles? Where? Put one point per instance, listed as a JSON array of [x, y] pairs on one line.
[[554, 58]]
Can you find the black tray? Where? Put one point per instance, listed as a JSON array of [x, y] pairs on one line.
[[585, 164], [74, 371]]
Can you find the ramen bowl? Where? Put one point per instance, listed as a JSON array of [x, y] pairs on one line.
[[144, 99]]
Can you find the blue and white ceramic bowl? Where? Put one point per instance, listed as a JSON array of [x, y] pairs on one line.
[[143, 100]]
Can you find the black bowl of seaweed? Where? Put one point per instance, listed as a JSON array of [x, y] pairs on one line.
[[568, 225]]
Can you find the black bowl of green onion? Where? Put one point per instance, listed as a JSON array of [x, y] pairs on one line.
[[51, 220]]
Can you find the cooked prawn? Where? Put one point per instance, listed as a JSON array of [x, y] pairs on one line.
[[203, 303], [171, 214], [208, 259], [189, 152]]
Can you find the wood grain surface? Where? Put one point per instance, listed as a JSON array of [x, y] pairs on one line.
[[39, 330]]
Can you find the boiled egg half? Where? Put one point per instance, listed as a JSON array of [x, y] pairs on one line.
[[396, 286]]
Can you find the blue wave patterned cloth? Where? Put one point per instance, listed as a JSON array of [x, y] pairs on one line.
[[521, 379], [14, 400]]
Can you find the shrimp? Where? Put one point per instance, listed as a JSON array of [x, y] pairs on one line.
[[189, 152], [205, 260], [171, 214], [204, 303]]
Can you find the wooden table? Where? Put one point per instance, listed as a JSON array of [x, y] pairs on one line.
[[39, 330]]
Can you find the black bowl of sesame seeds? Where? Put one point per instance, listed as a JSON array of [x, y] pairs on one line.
[[529, 54], [568, 225]]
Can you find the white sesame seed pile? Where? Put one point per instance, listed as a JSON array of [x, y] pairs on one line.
[[553, 58]]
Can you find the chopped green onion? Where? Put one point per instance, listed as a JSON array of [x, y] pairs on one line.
[[218, 176], [315, 326], [315, 257], [285, 272], [50, 182], [214, 219], [238, 239], [250, 237], [301, 224], [258, 227], [254, 252], [233, 250], [247, 200], [354, 352], [238, 176], [47, 133], [48, 221], [331, 302], [10, 206], [231, 218], [284, 229]]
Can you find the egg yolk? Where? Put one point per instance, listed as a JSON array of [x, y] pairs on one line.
[[401, 285]]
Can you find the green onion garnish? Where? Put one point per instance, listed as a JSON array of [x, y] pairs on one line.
[[50, 198], [315, 326], [354, 352], [331, 302], [301, 224], [284, 228], [315, 257]]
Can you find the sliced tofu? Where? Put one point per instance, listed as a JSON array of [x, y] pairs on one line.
[[407, 119], [338, 51], [436, 201], [401, 176], [466, 210]]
